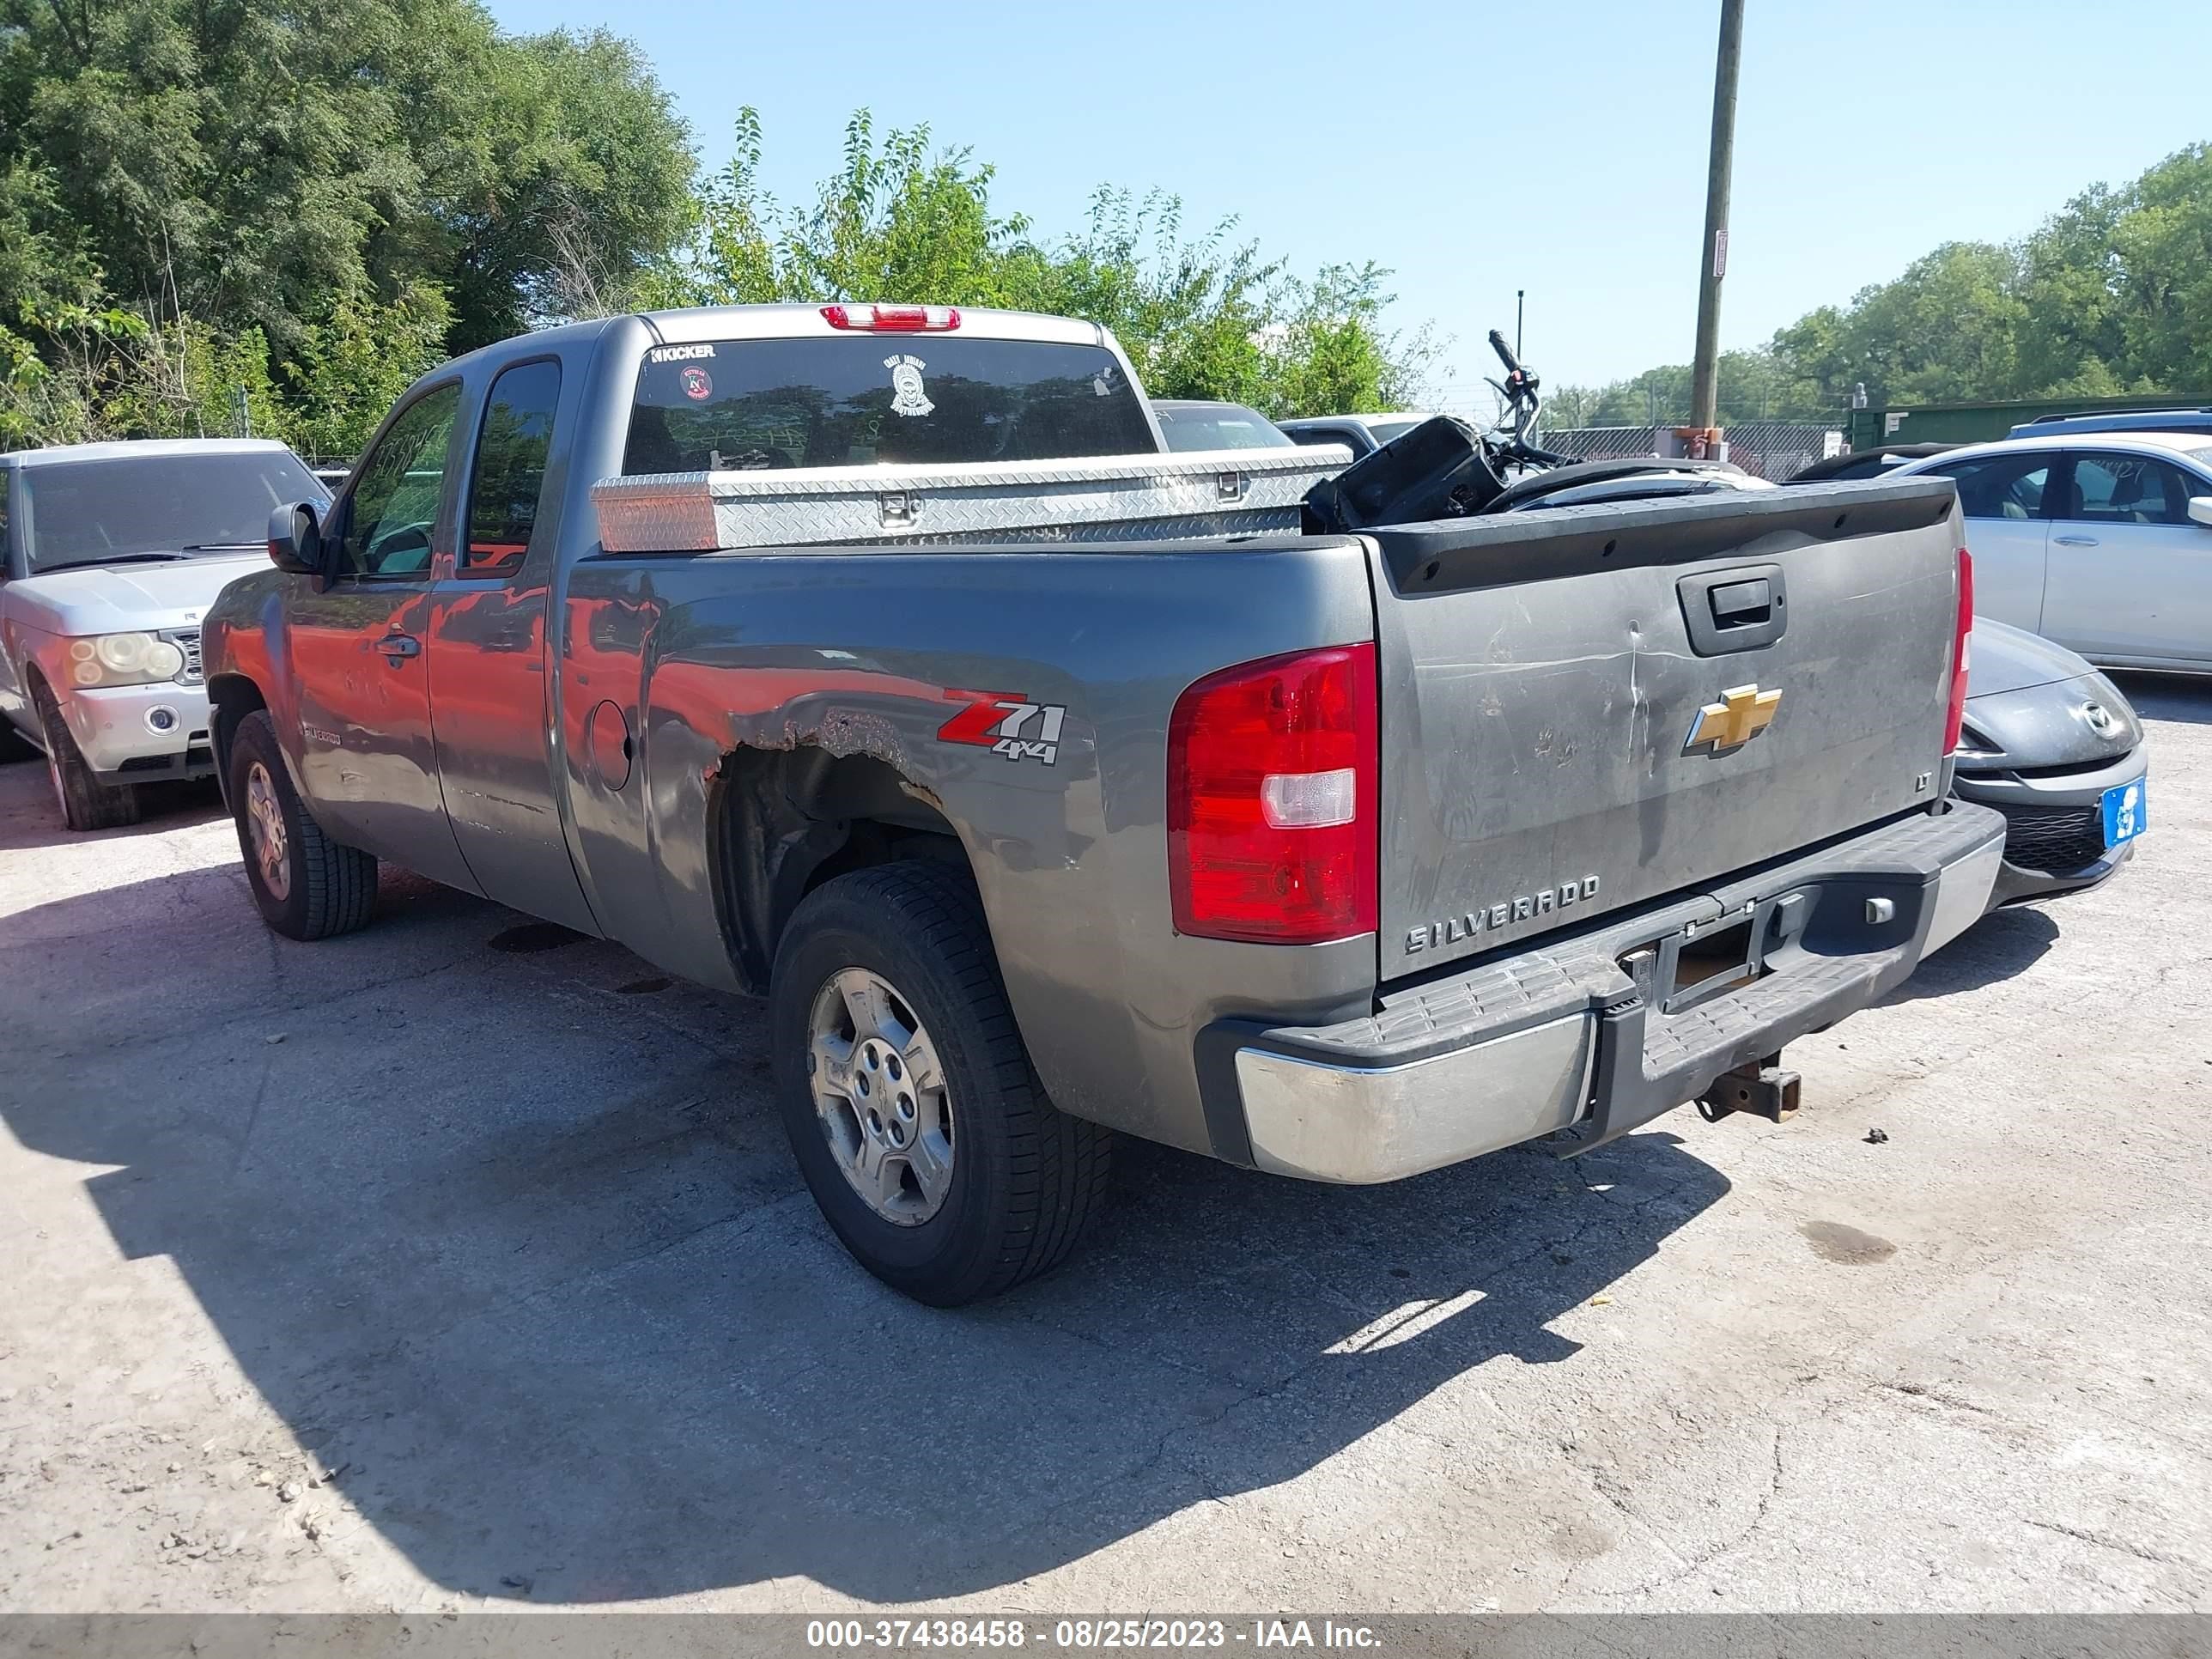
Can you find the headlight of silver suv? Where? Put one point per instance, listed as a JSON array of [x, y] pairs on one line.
[[123, 659]]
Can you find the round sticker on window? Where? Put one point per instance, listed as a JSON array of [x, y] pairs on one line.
[[698, 386]]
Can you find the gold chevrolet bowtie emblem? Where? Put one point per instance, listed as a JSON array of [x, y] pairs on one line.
[[1742, 712]]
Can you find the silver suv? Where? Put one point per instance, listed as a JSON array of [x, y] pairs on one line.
[[110, 555]]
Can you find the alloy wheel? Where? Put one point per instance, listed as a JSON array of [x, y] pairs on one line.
[[265, 825], [880, 1096]]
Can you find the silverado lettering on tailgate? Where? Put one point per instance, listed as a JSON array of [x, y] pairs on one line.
[[1453, 929]]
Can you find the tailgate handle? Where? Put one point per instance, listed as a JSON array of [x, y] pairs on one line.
[[1739, 604], [1737, 610]]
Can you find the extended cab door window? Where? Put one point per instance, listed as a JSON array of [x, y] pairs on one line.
[[399, 489], [508, 479]]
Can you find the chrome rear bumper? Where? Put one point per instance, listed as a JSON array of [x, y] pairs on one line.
[[1565, 1039]]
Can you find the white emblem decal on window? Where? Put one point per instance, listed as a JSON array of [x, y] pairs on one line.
[[907, 396]]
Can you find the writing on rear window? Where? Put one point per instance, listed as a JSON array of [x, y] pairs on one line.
[[769, 404]]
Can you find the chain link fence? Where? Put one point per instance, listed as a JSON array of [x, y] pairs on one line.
[[1766, 449]]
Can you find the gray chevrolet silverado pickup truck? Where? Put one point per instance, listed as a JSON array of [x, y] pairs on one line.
[[880, 661]]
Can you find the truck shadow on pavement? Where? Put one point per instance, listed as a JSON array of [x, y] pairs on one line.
[[515, 1241], [2001, 945]]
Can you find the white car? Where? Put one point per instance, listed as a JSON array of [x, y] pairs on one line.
[[110, 554], [2101, 541]]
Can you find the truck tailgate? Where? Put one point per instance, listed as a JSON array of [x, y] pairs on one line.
[[1590, 706]]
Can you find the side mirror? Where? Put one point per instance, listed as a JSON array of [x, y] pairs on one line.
[[295, 539], [2200, 508]]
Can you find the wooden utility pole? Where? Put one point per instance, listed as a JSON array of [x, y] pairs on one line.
[[1704, 383]]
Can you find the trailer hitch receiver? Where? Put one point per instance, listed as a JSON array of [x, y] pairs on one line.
[[1763, 1089]]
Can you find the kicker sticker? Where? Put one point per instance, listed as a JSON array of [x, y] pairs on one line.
[[679, 354], [1007, 723]]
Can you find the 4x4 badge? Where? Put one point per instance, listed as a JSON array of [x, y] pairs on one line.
[[1007, 723]]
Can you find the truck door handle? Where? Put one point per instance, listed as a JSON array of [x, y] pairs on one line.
[[398, 646], [2076, 541]]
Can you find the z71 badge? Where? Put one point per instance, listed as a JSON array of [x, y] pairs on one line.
[[1007, 723]]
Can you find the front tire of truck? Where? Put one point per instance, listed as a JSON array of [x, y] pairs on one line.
[[306, 885], [919, 1123]]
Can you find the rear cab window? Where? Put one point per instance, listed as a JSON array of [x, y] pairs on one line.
[[879, 399]]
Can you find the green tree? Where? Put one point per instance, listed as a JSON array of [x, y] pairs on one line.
[[1201, 316], [895, 220], [346, 369], [2162, 247], [1754, 386], [1194, 313], [256, 170], [587, 180], [2111, 295]]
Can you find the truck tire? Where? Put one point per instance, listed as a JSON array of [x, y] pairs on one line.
[[86, 802], [306, 885], [919, 1123]]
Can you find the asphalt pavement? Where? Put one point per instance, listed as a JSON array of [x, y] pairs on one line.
[[461, 1262]]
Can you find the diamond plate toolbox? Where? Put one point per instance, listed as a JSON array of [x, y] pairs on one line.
[[1112, 498]]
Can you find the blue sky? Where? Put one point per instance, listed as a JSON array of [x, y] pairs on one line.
[[1475, 149]]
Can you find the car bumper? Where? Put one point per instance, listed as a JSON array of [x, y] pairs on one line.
[[1579, 1039], [2054, 826], [112, 729]]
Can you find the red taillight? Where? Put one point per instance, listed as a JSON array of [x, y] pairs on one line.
[[1961, 639], [893, 319], [1274, 803]]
